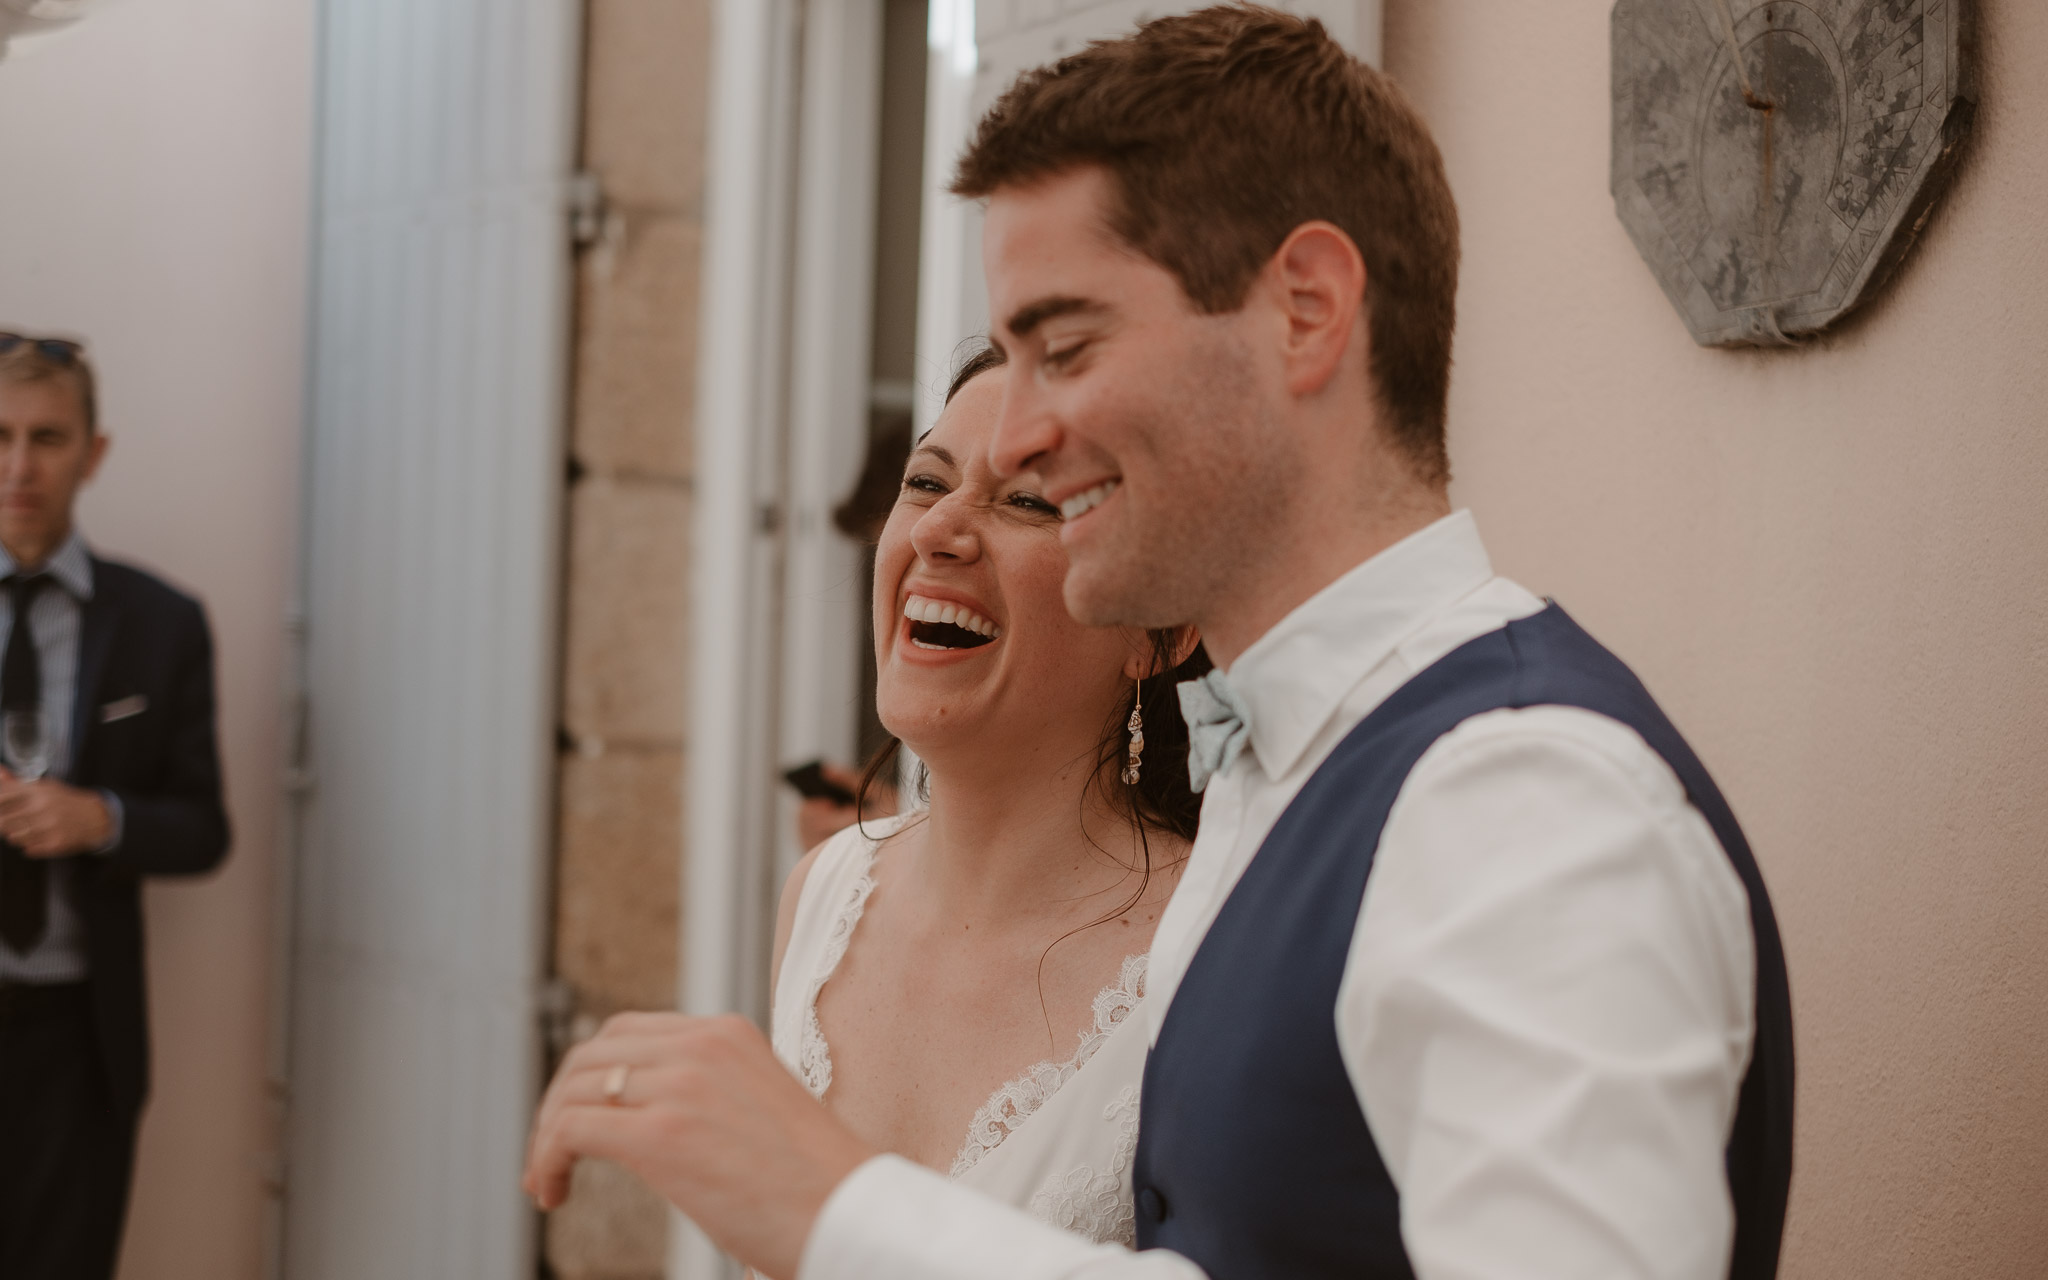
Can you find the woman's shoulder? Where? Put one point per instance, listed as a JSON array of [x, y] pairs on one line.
[[818, 895], [847, 854], [850, 850]]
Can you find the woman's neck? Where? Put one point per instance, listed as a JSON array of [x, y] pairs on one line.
[[1014, 832]]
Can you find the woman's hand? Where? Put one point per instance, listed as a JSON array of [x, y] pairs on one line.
[[702, 1111]]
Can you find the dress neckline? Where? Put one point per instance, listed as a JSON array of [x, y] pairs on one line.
[[1017, 1099]]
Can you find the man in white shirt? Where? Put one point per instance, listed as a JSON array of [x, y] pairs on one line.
[[1470, 972]]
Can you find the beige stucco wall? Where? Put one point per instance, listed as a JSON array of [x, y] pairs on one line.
[[153, 185], [1832, 566]]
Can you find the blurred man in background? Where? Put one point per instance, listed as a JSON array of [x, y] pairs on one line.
[[111, 773]]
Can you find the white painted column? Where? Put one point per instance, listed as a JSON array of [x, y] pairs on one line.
[[433, 474], [952, 299], [824, 592], [735, 560]]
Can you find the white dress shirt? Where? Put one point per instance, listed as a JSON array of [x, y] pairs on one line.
[[1548, 1005]]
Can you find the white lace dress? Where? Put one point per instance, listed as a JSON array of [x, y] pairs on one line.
[[1058, 1139]]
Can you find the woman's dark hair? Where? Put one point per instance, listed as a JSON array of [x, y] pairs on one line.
[[1161, 800], [982, 355]]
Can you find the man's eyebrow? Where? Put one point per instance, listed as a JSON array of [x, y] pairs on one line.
[[1029, 317]]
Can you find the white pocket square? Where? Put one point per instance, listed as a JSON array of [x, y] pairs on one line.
[[122, 708]]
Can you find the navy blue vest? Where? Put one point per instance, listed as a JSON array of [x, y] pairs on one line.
[[1254, 1159]]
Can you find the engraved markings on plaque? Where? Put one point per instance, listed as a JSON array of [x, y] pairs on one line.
[[1772, 160]]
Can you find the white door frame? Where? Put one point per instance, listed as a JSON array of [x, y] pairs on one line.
[[952, 302], [825, 598], [781, 426]]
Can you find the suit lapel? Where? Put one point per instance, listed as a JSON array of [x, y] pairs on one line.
[[95, 641]]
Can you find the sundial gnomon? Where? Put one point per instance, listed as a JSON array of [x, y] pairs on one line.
[[1773, 159]]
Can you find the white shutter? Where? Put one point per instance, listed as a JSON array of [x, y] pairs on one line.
[[978, 48], [433, 471]]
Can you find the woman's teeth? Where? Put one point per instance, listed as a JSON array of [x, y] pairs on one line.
[[940, 624], [1082, 503]]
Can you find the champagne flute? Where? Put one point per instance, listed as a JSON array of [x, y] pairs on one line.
[[25, 741]]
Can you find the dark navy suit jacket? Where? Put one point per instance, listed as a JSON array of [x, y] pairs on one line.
[[145, 657]]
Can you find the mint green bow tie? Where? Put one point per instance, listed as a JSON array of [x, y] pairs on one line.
[[1216, 726]]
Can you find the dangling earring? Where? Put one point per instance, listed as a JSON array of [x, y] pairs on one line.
[[1136, 725]]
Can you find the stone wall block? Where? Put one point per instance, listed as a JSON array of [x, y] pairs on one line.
[[645, 101], [618, 887], [623, 670], [612, 1227], [636, 348]]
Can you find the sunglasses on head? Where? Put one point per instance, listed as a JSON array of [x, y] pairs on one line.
[[56, 350]]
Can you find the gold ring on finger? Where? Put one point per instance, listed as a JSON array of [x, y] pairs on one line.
[[615, 1084]]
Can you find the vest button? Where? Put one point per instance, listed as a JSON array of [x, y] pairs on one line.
[[1152, 1204]]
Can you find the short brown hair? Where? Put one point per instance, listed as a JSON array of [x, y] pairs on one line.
[[1223, 131], [27, 362]]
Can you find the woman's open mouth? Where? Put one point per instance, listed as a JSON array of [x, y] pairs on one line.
[[940, 624]]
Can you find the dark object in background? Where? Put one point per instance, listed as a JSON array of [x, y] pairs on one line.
[[861, 517], [881, 478], [812, 784]]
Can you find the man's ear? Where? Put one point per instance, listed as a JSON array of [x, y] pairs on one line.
[[96, 451], [1318, 277]]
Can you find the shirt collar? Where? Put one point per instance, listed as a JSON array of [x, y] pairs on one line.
[[1293, 678], [71, 566]]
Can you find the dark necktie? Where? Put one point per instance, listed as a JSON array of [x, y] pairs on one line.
[[24, 881]]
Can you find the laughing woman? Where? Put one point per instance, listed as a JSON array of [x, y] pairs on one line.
[[958, 984]]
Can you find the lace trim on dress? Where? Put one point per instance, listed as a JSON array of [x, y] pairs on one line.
[[1014, 1103], [813, 1055], [1091, 1202]]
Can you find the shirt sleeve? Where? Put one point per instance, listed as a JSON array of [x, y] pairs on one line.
[[1548, 1007], [116, 816], [897, 1219]]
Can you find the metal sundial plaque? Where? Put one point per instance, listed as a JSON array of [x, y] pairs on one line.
[[1774, 159]]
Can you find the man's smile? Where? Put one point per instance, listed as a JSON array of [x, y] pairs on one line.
[[1088, 499]]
